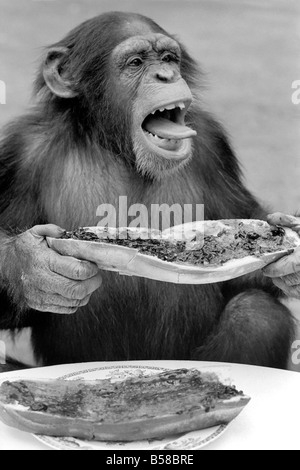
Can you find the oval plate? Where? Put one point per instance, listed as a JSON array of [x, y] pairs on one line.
[[129, 262]]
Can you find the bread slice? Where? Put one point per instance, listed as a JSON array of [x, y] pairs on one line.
[[154, 406]]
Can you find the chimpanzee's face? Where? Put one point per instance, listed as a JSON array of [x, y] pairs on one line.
[[127, 77], [147, 80]]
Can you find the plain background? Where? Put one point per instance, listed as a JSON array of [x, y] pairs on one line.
[[249, 51]]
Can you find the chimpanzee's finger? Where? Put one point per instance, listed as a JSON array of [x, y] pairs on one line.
[[55, 309], [49, 230], [289, 291], [292, 280], [285, 220], [72, 268], [42, 301], [285, 266], [77, 290]]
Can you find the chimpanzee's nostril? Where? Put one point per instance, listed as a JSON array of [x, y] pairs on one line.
[[165, 75]]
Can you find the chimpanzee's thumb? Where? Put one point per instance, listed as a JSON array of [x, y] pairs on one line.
[[50, 230], [284, 220]]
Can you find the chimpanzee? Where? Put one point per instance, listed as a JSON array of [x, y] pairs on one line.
[[116, 113]]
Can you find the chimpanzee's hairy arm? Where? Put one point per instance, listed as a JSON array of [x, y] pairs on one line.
[[32, 276]]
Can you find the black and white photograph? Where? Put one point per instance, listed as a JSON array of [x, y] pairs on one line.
[[149, 227]]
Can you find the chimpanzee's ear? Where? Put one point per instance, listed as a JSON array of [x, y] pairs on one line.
[[54, 74]]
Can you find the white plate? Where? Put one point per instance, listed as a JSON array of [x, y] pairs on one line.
[[190, 441], [269, 422]]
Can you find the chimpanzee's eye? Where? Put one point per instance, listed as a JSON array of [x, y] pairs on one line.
[[169, 57], [135, 62]]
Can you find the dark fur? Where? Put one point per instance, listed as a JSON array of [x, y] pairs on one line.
[[65, 158]]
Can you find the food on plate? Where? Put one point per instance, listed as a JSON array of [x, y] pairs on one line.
[[148, 407], [216, 242]]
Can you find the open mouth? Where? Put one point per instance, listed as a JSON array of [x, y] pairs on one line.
[[165, 127]]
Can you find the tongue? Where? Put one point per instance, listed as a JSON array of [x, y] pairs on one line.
[[166, 129]]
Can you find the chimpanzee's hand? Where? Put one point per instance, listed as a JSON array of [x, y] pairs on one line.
[[285, 273], [51, 282]]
